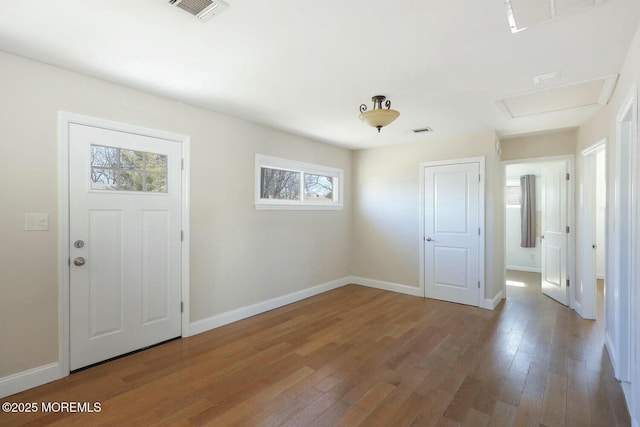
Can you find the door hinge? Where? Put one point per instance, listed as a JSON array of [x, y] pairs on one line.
[[568, 229], [568, 177], [478, 231], [478, 284], [182, 164], [479, 178], [68, 261], [181, 236], [181, 307], [568, 282]]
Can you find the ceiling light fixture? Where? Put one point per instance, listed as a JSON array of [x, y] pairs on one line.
[[378, 117]]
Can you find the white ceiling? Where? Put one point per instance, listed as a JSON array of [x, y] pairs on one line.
[[306, 66]]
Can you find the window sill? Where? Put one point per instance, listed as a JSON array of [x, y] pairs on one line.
[[301, 207]]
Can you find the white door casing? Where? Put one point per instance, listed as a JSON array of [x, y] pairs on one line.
[[625, 286], [127, 295], [452, 232], [555, 232], [587, 236]]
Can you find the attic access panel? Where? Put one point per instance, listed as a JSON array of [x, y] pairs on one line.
[[524, 14], [567, 97]]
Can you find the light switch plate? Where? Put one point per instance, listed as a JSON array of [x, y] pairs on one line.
[[36, 221]]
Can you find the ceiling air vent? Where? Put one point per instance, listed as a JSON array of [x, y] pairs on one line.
[[427, 129], [201, 9]]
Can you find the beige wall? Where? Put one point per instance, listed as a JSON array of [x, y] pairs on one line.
[[386, 205], [239, 256], [539, 145], [603, 125]]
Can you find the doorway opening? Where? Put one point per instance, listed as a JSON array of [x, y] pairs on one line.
[[538, 193], [600, 242], [620, 319], [145, 298], [591, 238]]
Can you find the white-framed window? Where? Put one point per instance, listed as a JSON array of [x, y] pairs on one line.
[[513, 195], [289, 185]]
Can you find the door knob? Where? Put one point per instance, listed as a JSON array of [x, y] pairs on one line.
[[542, 237], [79, 261], [428, 239]]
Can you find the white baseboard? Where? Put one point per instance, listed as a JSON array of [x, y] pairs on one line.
[[28, 379], [225, 318], [608, 344], [489, 303], [626, 386], [520, 268], [492, 303], [626, 391], [218, 320], [577, 306], [387, 286]]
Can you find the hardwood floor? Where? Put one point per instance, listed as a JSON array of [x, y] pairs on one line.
[[360, 356]]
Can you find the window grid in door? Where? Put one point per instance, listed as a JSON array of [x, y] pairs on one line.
[[119, 169]]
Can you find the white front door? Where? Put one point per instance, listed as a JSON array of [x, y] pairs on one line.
[[452, 232], [125, 242], [554, 239]]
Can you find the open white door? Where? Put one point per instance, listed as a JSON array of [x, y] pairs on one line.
[[555, 229], [588, 236], [125, 196], [452, 232]]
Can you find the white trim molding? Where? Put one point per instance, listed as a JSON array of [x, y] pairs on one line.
[[231, 316], [387, 286], [521, 268], [578, 308], [218, 320], [30, 378], [492, 303]]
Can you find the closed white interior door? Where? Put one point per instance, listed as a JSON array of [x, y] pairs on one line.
[[587, 237], [125, 242], [554, 239], [452, 225]]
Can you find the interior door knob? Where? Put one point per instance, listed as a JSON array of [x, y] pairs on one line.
[[79, 261], [428, 239]]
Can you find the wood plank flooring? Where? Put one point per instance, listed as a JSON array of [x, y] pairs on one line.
[[359, 356]]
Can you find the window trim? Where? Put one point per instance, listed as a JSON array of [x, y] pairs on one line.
[[264, 161]]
